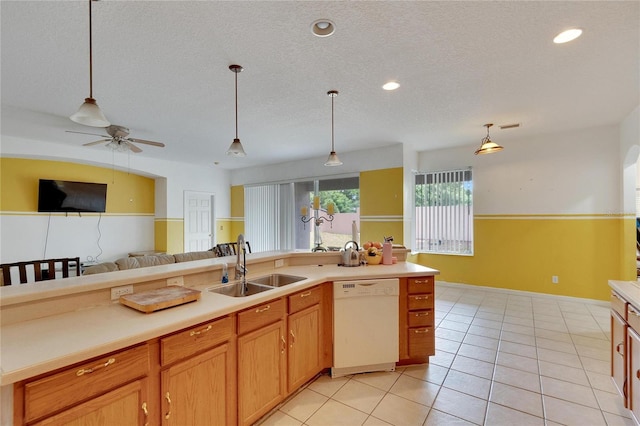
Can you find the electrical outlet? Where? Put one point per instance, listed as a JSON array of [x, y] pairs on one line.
[[554, 279], [279, 263], [175, 281], [116, 292]]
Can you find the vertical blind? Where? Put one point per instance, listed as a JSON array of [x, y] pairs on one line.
[[261, 212], [444, 212]]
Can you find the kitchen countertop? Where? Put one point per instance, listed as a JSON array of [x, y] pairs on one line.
[[629, 290], [33, 347]]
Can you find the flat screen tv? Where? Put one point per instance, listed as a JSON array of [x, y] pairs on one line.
[[66, 196]]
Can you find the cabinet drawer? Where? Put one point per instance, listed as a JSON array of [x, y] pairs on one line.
[[76, 384], [261, 315], [420, 285], [421, 342], [633, 318], [304, 299], [619, 305], [421, 318], [420, 301], [195, 339]]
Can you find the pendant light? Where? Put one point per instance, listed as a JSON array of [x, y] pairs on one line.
[[236, 149], [89, 113], [333, 159], [486, 145]]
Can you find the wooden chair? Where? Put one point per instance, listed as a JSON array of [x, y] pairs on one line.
[[40, 273], [229, 249]]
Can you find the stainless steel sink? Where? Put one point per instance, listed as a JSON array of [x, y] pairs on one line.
[[238, 289], [276, 280]]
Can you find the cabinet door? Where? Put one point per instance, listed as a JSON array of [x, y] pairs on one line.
[[199, 390], [633, 384], [123, 406], [261, 371], [619, 353], [304, 346]]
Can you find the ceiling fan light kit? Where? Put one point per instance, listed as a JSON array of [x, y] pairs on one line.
[[333, 159], [236, 149], [486, 145], [89, 113]]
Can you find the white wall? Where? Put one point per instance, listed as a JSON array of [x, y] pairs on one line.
[[121, 234], [354, 162], [563, 173]]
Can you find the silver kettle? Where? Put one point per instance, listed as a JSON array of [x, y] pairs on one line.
[[350, 255]]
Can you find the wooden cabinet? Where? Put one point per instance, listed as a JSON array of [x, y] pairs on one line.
[[262, 360], [304, 337], [417, 338], [124, 406], [633, 381], [198, 379], [619, 351], [112, 389]]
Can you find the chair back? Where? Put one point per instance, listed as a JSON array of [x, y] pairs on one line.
[[229, 249], [42, 269]]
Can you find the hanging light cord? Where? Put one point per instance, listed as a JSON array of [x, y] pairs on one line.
[[90, 55], [332, 138], [236, 104]]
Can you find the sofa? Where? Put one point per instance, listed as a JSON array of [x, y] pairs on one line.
[[144, 261]]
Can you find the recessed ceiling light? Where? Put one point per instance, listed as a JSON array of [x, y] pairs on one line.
[[567, 35], [391, 85], [323, 28]]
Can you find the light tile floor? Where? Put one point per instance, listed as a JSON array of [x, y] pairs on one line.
[[502, 358]]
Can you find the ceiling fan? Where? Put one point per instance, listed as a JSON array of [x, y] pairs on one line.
[[118, 140]]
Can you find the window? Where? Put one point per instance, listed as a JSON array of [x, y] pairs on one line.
[[272, 214], [444, 212]]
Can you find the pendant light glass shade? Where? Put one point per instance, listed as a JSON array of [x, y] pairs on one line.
[[236, 149], [333, 159], [89, 112], [487, 146]]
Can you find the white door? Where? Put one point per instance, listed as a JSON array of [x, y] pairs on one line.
[[198, 221]]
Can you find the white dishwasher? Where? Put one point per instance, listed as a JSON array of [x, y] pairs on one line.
[[365, 326]]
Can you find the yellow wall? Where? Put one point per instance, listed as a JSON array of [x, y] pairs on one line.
[[236, 225], [381, 205], [126, 193], [524, 253], [223, 231], [169, 235]]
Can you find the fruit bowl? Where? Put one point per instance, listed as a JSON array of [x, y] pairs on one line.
[[373, 260]]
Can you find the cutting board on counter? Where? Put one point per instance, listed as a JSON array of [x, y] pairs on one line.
[[160, 298]]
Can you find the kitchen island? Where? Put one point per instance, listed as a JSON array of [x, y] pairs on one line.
[[47, 327]]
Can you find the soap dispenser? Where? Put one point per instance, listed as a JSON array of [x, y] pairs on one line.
[[387, 252], [225, 274]]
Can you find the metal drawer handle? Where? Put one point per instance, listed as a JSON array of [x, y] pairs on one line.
[[266, 308], [196, 333], [293, 338], [91, 370], [146, 413], [168, 398], [420, 331], [420, 281], [284, 344], [305, 294], [638, 374], [422, 314], [421, 297], [617, 297], [618, 348], [633, 311]]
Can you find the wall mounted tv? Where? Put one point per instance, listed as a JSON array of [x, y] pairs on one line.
[[66, 196]]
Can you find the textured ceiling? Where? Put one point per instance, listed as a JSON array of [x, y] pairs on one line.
[[161, 69]]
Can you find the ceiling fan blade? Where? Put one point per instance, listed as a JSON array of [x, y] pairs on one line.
[[84, 133], [132, 147], [160, 144], [96, 142]]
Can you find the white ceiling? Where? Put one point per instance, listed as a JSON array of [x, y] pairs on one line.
[[161, 69]]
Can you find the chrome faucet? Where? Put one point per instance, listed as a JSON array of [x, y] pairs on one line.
[[241, 270]]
